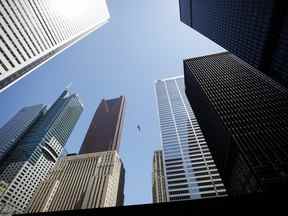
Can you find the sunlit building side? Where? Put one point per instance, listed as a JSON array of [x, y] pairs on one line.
[[32, 32], [80, 182], [190, 170]]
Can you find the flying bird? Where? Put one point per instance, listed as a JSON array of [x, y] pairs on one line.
[[139, 128]]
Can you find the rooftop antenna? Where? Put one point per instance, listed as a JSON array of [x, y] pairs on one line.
[[68, 86]]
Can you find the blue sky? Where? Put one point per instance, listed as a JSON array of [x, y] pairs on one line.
[[143, 41]]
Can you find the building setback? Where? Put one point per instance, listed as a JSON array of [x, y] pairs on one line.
[[254, 30], [32, 32], [158, 181], [189, 168], [244, 117], [80, 182], [32, 156], [104, 133]]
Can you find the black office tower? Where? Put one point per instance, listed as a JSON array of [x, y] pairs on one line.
[[254, 30], [244, 117]]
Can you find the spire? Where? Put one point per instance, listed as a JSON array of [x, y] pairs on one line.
[[68, 86]]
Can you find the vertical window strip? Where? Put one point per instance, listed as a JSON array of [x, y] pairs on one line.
[[40, 21], [32, 19], [17, 30], [6, 57], [10, 50], [47, 18], [24, 29], [9, 36], [54, 20], [30, 34]]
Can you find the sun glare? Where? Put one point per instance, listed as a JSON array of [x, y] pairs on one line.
[[69, 8]]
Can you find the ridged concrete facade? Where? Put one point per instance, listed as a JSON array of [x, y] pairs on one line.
[[189, 167], [80, 182], [32, 32], [158, 185]]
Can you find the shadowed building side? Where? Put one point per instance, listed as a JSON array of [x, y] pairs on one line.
[[244, 116], [254, 30]]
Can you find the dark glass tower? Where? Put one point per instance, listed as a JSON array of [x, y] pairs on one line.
[[105, 129], [254, 30], [244, 117]]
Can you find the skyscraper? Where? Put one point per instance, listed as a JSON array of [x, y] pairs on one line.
[[93, 179], [189, 168], [80, 182], [14, 129], [105, 129], [32, 156], [32, 32], [244, 116], [158, 182], [254, 30]]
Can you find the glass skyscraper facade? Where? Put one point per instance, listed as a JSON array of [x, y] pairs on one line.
[[244, 116], [189, 168], [32, 32], [39, 148], [254, 30], [12, 131]]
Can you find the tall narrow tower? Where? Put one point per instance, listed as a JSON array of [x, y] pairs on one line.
[[190, 170], [104, 133]]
